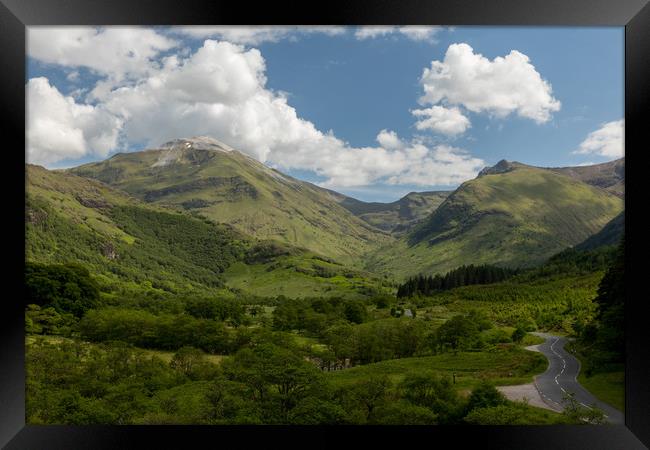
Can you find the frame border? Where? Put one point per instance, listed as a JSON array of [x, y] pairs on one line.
[[15, 15]]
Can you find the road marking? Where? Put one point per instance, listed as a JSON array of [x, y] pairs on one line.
[[586, 406]]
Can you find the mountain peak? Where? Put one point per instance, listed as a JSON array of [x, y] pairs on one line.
[[198, 143], [502, 166], [177, 149]]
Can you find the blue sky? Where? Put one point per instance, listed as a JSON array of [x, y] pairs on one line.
[[312, 104]]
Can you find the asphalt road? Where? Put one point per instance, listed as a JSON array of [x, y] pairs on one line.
[[561, 377]]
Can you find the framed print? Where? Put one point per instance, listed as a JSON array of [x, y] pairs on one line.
[[392, 219]]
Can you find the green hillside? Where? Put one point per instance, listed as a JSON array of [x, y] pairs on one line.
[[510, 215], [397, 217], [610, 234], [609, 176], [204, 176], [128, 244]]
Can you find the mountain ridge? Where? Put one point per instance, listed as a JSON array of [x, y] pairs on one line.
[[510, 214], [232, 187]]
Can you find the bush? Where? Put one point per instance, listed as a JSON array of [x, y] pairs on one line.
[[485, 395]]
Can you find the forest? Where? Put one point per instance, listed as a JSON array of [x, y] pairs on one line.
[[98, 356]]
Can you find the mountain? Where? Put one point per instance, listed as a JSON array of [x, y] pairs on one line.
[[136, 246], [511, 214], [207, 177], [610, 235], [609, 176], [397, 217]]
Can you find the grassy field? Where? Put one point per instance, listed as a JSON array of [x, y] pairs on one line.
[[298, 276], [505, 366]]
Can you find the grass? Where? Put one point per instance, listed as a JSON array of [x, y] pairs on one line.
[[248, 195], [531, 339], [608, 387], [508, 366], [516, 219], [298, 276]]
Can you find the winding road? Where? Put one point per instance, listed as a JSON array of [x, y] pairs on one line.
[[561, 377]]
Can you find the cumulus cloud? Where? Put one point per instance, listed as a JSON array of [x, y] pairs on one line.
[[608, 141], [112, 51], [502, 86], [220, 91], [449, 121], [249, 35], [58, 128], [412, 32], [389, 140]]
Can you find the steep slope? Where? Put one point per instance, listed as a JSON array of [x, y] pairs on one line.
[[511, 215], [609, 176], [128, 244], [73, 219], [397, 217], [207, 177], [610, 235]]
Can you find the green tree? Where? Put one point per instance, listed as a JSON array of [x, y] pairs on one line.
[[611, 302], [485, 395], [433, 392], [68, 288], [459, 333], [579, 414], [518, 334], [403, 413]]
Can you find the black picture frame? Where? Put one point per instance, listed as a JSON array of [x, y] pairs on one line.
[[15, 15]]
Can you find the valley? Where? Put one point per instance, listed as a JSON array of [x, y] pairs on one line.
[[192, 284]]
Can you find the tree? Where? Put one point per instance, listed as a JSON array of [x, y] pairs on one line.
[[459, 332], [403, 413], [518, 334], [370, 392], [68, 288], [433, 392], [355, 311], [485, 395], [611, 302], [578, 414], [187, 360], [277, 376]]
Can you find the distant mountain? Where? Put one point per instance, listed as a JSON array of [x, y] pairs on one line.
[[397, 217], [609, 176], [206, 176], [610, 235], [511, 214], [130, 244]]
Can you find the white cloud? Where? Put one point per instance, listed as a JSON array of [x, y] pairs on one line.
[[371, 32], [449, 121], [58, 128], [418, 33], [113, 51], [412, 32], [505, 85], [389, 140], [220, 91], [608, 140], [252, 35], [443, 165]]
